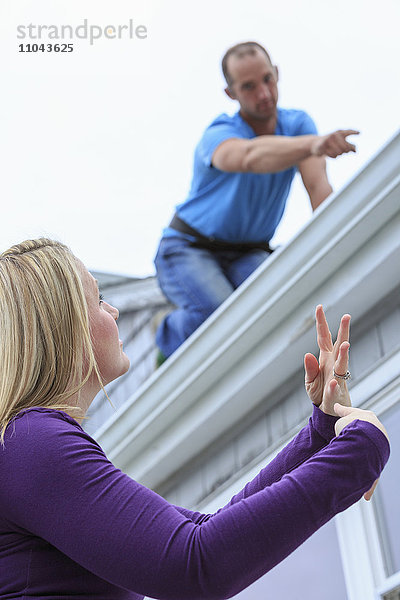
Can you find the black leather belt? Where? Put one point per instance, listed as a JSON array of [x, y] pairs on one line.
[[211, 243]]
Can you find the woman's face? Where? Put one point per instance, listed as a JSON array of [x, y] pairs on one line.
[[110, 357]]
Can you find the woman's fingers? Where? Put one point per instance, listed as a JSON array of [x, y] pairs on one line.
[[342, 361], [311, 368], [368, 495], [342, 392], [343, 411], [344, 331], [348, 414], [332, 395], [312, 379], [321, 386], [324, 337]]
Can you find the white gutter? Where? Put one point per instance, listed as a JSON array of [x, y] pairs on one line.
[[347, 258]]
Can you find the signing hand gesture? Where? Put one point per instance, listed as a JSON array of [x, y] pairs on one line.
[[322, 387]]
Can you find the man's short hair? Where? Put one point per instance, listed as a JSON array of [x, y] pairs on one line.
[[240, 50]]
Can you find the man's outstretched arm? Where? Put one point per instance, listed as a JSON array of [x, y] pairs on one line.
[[273, 153]]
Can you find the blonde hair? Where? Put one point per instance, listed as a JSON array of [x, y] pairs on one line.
[[46, 354]]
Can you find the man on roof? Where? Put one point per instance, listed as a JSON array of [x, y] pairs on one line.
[[243, 169]]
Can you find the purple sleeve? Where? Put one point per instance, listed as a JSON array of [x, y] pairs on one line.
[[63, 489], [317, 433]]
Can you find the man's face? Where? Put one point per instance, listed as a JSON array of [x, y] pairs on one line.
[[254, 85]]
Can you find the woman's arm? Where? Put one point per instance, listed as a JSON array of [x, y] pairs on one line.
[[314, 436], [62, 488], [320, 430]]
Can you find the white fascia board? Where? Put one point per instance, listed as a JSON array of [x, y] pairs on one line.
[[255, 341]]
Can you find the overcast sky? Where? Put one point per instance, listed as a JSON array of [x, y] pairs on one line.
[[97, 144]]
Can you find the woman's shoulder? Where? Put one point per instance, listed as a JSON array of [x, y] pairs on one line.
[[43, 444], [40, 430], [44, 461], [38, 420], [41, 412]]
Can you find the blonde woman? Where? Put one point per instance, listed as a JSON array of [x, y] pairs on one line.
[[74, 526]]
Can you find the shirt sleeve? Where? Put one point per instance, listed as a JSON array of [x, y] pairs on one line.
[[214, 135], [319, 430], [305, 125], [78, 501]]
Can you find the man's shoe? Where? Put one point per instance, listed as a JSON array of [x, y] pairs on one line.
[[160, 359]]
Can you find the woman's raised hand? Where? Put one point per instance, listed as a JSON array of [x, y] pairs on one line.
[[322, 387]]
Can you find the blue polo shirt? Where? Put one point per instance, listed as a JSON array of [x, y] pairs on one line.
[[238, 207]]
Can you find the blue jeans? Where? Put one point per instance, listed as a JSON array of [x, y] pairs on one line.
[[197, 281]]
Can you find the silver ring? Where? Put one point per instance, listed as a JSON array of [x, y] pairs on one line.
[[346, 376]]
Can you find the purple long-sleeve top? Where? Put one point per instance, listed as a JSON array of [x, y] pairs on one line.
[[74, 526]]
